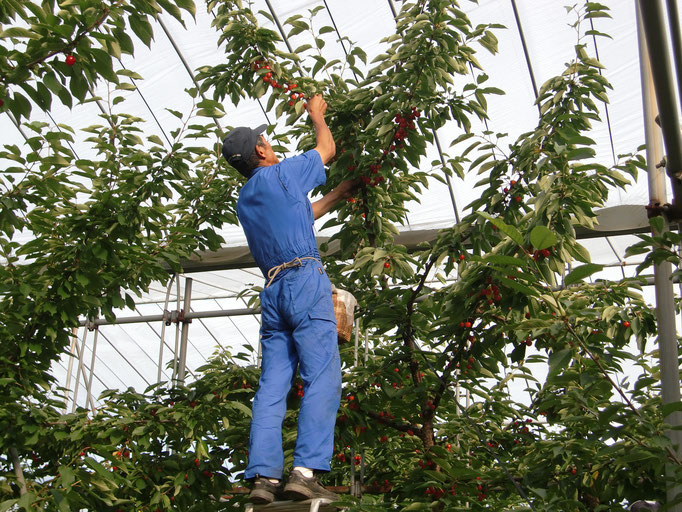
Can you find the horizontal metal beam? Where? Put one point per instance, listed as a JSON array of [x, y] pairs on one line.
[[612, 221], [168, 317]]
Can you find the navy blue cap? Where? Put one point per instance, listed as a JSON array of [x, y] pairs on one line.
[[238, 145]]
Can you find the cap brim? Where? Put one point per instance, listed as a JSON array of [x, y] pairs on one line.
[[260, 129]]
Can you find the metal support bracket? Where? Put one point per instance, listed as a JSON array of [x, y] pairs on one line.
[[672, 212], [90, 325], [181, 317]]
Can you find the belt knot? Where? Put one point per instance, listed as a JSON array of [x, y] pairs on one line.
[[296, 262]]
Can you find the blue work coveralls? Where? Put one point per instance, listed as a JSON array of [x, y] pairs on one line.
[[298, 326]]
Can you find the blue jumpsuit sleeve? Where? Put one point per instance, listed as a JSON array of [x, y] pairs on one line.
[[302, 173]]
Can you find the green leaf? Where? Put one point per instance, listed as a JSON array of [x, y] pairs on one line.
[[559, 360], [240, 407], [581, 272], [18, 32], [142, 29], [508, 230], [670, 408], [580, 153], [657, 223], [67, 474], [503, 260], [20, 106], [542, 238], [6, 505]]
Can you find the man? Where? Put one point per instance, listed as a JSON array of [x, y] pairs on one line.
[[298, 326]]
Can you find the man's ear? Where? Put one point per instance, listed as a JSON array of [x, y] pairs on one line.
[[260, 151]]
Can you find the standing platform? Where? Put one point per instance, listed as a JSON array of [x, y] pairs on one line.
[[314, 505]]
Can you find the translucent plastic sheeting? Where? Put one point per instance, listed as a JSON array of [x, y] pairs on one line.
[[550, 40]]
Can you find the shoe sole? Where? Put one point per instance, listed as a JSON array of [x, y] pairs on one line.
[[297, 492], [261, 497]]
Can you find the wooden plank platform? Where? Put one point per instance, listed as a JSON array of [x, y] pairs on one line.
[[315, 505]]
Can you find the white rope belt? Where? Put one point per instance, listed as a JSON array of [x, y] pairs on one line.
[[296, 262]]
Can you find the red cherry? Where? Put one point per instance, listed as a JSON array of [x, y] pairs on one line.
[[626, 324], [461, 257], [387, 265], [1, 102], [291, 103], [70, 60], [467, 324]]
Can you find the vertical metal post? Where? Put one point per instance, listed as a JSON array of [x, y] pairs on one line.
[[69, 371], [162, 336], [652, 29], [81, 372], [355, 351], [177, 332], [92, 370], [665, 301], [185, 330], [80, 369]]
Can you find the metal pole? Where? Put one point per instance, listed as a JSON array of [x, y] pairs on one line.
[[653, 28], [676, 40], [447, 176], [185, 331], [69, 371], [177, 332], [665, 300], [163, 328], [80, 369], [92, 369], [531, 73]]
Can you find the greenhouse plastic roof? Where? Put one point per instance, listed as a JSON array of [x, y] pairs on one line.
[[130, 357]]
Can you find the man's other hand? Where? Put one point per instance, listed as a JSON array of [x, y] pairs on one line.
[[347, 188]]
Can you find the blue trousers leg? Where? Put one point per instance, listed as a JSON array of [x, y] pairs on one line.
[[278, 364], [320, 369]]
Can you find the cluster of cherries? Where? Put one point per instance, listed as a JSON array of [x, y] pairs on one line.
[[437, 493], [492, 293], [372, 182], [405, 123], [541, 254], [426, 465], [286, 87]]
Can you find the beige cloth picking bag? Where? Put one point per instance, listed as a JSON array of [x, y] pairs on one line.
[[344, 310]]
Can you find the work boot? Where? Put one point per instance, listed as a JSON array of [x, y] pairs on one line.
[[264, 491], [300, 488]]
